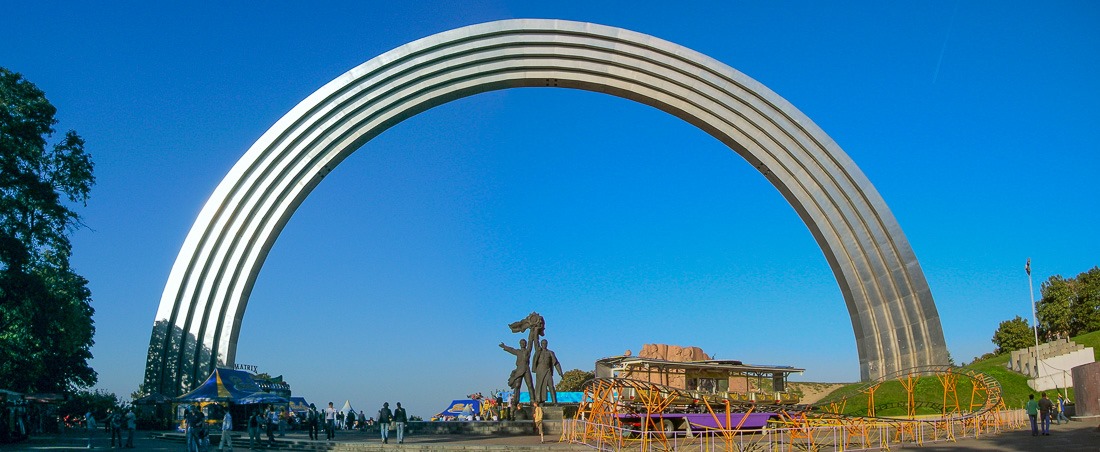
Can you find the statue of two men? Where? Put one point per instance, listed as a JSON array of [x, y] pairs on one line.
[[545, 361]]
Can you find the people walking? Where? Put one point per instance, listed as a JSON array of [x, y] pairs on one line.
[[190, 419], [400, 418], [330, 422], [385, 416], [312, 421], [114, 418], [1045, 406], [283, 423], [272, 421], [202, 438], [227, 430], [1032, 408], [538, 420], [1062, 409], [349, 420], [131, 426], [89, 424], [254, 423]]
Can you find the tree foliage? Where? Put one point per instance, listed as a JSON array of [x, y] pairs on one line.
[[1069, 306], [99, 402], [1013, 335], [574, 380], [46, 326], [1054, 310]]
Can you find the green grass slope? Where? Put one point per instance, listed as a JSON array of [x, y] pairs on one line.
[[891, 397]]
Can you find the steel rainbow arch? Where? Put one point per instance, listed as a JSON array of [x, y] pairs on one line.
[[894, 318]]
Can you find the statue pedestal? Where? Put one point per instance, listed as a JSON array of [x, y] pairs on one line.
[[553, 413], [549, 413]]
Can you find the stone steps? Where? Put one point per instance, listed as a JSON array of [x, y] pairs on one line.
[[420, 436]]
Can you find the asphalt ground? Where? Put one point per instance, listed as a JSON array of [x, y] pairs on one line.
[[145, 441], [1076, 436]]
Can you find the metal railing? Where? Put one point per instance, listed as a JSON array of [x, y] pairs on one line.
[[825, 435]]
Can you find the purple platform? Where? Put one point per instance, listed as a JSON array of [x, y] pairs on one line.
[[706, 421]]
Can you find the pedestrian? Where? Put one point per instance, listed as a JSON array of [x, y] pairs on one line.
[[1045, 406], [400, 418], [188, 423], [538, 419], [115, 419], [189, 431], [1062, 409], [330, 422], [385, 416], [131, 427], [1032, 408], [282, 423], [202, 436], [311, 421], [271, 419], [349, 420], [227, 430], [89, 424], [254, 423], [362, 421]]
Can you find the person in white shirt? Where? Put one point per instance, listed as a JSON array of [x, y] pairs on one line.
[[227, 430], [330, 422]]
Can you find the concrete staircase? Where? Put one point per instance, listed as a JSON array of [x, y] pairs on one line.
[[1049, 364]]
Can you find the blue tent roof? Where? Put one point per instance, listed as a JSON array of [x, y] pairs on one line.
[[458, 406], [563, 397], [299, 404], [223, 385]]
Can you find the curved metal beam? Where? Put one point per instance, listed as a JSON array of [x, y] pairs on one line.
[[893, 316]]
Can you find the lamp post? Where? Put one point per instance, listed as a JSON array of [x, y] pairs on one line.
[[1031, 287], [1034, 322]]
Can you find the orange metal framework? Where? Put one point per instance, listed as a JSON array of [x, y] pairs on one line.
[[607, 398]]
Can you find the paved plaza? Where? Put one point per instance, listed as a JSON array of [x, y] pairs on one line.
[[146, 441], [1078, 436]]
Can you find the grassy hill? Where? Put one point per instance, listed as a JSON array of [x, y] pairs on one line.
[[890, 397]]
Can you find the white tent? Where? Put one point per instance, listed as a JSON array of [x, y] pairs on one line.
[[347, 407]]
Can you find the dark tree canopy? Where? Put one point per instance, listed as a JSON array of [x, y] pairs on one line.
[[46, 326]]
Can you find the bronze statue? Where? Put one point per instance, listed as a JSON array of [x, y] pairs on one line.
[[522, 371], [545, 362], [535, 326]]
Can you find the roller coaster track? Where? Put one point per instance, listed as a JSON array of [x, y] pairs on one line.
[[634, 413], [981, 384], [608, 399]]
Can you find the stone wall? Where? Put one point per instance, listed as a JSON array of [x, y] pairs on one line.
[[1049, 364]]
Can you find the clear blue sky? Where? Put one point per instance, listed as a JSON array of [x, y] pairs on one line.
[[976, 121]]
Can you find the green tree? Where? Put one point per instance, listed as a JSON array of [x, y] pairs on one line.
[[1013, 335], [46, 326], [1086, 303], [574, 380], [99, 402], [1054, 310]]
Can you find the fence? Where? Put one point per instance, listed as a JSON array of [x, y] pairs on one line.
[[836, 434]]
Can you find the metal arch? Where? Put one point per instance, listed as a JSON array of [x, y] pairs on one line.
[[197, 324]]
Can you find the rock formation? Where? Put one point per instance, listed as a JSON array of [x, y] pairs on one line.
[[673, 353]]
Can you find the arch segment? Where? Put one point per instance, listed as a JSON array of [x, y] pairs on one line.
[[893, 316]]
